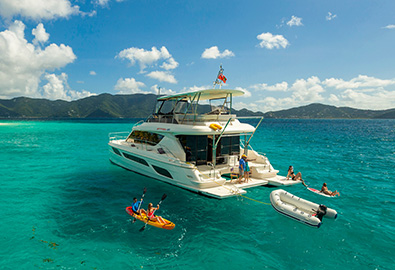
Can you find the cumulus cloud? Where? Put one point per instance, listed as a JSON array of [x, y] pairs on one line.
[[104, 3], [278, 87], [362, 81], [129, 86], [270, 41], [58, 88], [195, 88], [92, 73], [362, 92], [41, 36], [38, 9], [390, 26], [214, 53], [24, 64], [379, 100], [302, 92], [330, 16], [148, 57], [295, 21], [246, 92], [163, 91], [162, 76], [250, 106]]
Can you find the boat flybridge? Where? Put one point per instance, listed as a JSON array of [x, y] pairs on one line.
[[192, 140]]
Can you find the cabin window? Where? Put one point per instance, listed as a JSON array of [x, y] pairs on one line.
[[230, 145], [162, 171], [116, 151], [146, 137], [195, 147], [136, 159]]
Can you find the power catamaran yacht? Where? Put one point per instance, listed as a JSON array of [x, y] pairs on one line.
[[195, 146]]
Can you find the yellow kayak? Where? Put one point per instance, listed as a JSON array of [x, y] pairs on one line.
[[143, 217]]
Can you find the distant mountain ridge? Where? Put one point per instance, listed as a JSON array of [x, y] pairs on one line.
[[141, 105]]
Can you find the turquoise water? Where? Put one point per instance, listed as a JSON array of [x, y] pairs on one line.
[[62, 203]]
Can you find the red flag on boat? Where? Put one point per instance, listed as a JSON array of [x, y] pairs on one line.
[[222, 78]]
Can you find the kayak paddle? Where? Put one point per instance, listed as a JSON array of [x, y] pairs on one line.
[[142, 197], [145, 225]]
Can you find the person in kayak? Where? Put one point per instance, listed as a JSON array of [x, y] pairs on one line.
[[136, 206], [151, 216], [294, 177], [325, 190]]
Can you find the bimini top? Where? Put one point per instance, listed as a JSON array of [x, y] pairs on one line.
[[204, 94]]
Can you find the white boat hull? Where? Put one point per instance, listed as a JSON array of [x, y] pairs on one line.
[[181, 174], [297, 208]]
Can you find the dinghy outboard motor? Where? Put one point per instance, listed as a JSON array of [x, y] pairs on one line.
[[321, 211]]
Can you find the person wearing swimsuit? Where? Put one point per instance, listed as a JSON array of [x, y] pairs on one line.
[[325, 190], [294, 177], [151, 216]]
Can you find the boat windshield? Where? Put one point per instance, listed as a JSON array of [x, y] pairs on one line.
[[193, 107]]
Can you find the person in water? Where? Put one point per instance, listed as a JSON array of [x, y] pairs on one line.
[[136, 206], [294, 177], [242, 167], [325, 190], [151, 216]]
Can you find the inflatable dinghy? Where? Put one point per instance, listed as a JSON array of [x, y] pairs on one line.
[[301, 210]]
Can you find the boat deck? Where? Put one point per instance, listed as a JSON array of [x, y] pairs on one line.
[[230, 189], [281, 181]]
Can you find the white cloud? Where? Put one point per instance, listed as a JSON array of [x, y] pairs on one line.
[[92, 73], [41, 36], [163, 91], [303, 92], [129, 86], [104, 3], [196, 88], [250, 106], [307, 90], [271, 41], [278, 87], [362, 92], [37, 9], [362, 81], [22, 64], [55, 88], [246, 92], [295, 21], [162, 76], [148, 58], [330, 16], [171, 64], [58, 88], [214, 53], [390, 26], [378, 100]]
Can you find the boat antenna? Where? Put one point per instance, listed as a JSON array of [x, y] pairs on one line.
[[220, 78]]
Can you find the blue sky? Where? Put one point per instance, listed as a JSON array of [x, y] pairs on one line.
[[282, 53]]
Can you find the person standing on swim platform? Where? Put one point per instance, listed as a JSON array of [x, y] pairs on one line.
[[242, 167]]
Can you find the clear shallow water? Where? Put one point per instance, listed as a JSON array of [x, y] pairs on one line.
[[62, 203]]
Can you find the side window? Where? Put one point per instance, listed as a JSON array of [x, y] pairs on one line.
[[146, 137]]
